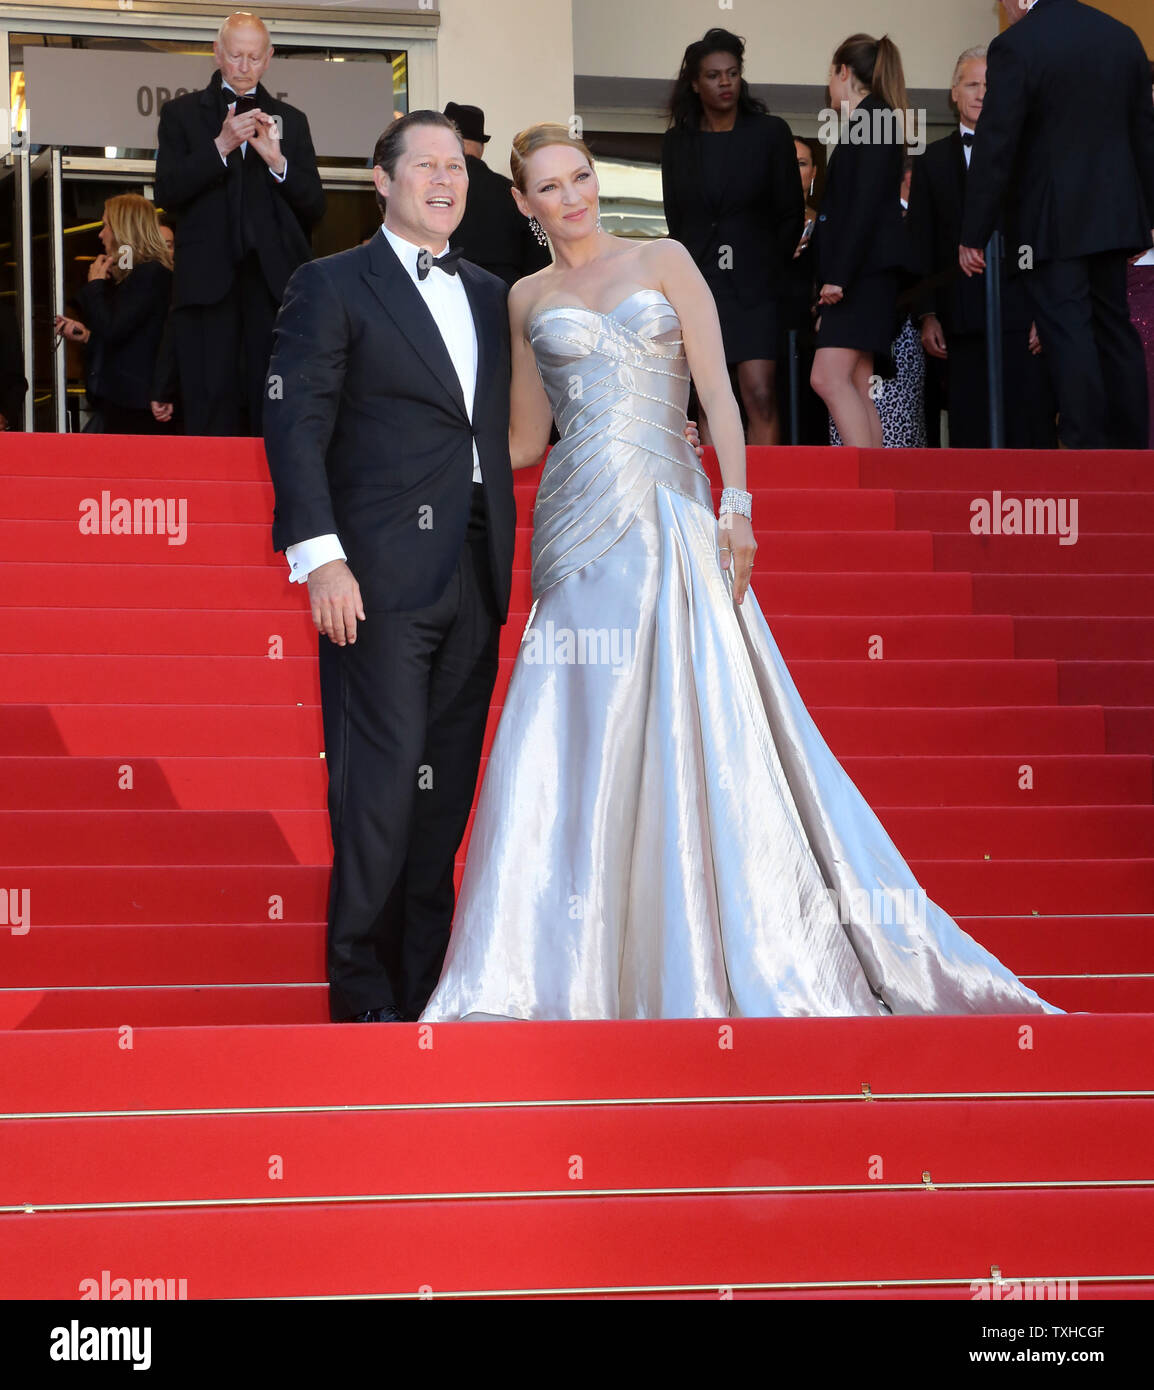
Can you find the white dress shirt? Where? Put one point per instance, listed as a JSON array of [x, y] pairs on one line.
[[280, 178], [967, 150], [448, 302]]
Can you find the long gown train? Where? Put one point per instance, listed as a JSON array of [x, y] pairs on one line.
[[662, 831]]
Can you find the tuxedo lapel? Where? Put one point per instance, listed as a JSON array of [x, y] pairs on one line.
[[390, 283], [488, 336]]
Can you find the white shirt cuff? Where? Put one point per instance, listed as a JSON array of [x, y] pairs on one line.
[[280, 178], [306, 556]]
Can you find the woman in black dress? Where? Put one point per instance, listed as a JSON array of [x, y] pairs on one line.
[[732, 197], [860, 242], [125, 305]]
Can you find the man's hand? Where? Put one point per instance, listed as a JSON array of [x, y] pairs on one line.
[[933, 339], [335, 599], [1035, 343], [100, 268], [161, 411], [694, 438], [266, 141], [971, 259], [830, 294], [235, 130]]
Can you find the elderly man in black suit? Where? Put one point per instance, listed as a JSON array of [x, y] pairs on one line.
[[236, 169], [492, 234], [952, 306], [1066, 145]]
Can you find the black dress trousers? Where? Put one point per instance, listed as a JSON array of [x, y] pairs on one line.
[[405, 708]]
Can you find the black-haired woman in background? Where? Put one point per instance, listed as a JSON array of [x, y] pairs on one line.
[[732, 197], [860, 240]]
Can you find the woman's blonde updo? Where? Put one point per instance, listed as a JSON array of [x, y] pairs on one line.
[[537, 137]]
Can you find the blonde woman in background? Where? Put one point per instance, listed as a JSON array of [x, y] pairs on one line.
[[124, 306]]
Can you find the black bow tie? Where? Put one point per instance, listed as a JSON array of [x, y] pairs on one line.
[[230, 97], [447, 262], [967, 137]]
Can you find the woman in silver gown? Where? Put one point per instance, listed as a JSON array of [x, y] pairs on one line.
[[662, 831]]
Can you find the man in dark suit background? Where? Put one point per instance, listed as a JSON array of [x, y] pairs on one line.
[[236, 169], [492, 233], [386, 429], [952, 306], [1066, 146]]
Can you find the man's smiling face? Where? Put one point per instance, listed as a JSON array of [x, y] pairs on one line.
[[426, 195]]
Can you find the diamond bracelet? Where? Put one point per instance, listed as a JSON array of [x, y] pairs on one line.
[[734, 500]]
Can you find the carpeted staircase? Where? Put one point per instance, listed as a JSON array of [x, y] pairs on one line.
[[175, 1105]]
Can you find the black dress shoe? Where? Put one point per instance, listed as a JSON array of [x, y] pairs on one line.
[[388, 1014]]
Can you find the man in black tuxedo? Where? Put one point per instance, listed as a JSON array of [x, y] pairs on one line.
[[236, 169], [492, 233], [386, 429], [1066, 144], [952, 306]]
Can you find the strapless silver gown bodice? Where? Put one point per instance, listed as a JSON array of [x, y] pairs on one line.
[[662, 832]]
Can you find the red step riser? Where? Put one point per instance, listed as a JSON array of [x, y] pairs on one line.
[[191, 954], [1124, 512], [294, 952], [174, 837], [213, 589], [1064, 595], [207, 543], [897, 732], [226, 460], [1050, 887], [60, 499], [479, 1063], [144, 731], [1099, 554], [1038, 473], [1084, 639], [1107, 682], [226, 1157], [145, 895], [189, 632], [31, 679], [998, 781], [191, 784], [559, 1243], [165, 837]]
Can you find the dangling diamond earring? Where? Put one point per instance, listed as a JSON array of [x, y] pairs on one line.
[[598, 217], [538, 231]]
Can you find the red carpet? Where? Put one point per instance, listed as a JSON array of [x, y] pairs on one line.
[[161, 817]]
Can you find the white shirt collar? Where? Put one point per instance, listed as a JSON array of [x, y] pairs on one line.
[[407, 252], [965, 129]]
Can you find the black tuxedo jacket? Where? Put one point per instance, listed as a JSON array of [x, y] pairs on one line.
[[1066, 138], [934, 228], [366, 430], [212, 202], [860, 229], [492, 233], [759, 213]]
